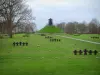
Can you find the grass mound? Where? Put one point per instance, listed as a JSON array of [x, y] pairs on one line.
[[50, 29]]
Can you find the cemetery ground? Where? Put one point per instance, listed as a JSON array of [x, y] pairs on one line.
[[42, 57], [83, 36]]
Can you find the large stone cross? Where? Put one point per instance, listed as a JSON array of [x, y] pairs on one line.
[[50, 22]]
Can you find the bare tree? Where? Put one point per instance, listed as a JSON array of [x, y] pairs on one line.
[[99, 30], [70, 28], [14, 11], [28, 28], [93, 26], [75, 27], [61, 26], [81, 28]]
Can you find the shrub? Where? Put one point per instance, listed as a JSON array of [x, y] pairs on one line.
[[43, 35], [26, 35], [5, 34], [77, 34], [1, 36]]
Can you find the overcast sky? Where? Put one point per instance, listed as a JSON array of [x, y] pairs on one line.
[[64, 10]]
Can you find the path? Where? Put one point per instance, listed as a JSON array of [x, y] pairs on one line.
[[79, 39]]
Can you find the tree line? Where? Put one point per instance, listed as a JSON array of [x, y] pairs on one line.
[[93, 27]]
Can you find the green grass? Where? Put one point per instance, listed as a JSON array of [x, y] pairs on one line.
[[50, 29], [51, 58], [84, 37]]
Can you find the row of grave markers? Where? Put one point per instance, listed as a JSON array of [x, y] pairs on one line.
[[52, 39], [20, 43], [85, 52], [55, 40]]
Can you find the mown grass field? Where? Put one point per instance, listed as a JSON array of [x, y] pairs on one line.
[[84, 37], [51, 58]]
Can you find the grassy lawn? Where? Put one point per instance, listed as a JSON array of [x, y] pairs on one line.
[[51, 58], [84, 37]]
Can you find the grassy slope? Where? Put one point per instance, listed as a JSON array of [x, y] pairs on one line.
[[84, 37], [43, 61], [50, 29]]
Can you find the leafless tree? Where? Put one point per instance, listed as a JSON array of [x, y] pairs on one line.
[[14, 11], [75, 27], [61, 26], [93, 26], [29, 28], [70, 28]]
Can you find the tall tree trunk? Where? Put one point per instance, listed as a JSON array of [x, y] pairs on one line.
[[10, 28], [10, 32]]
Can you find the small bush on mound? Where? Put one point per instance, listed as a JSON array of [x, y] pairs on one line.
[[71, 34], [43, 35], [5, 34], [77, 34], [1, 36], [26, 35]]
